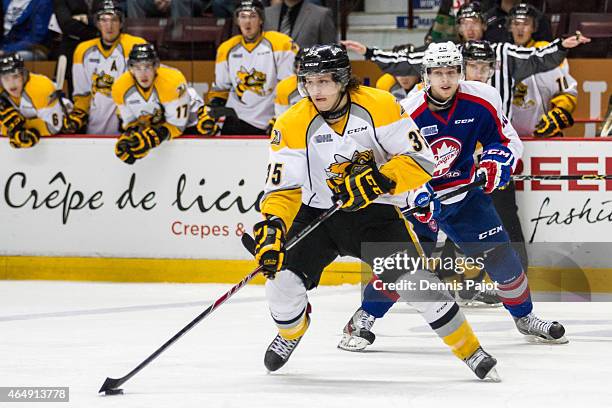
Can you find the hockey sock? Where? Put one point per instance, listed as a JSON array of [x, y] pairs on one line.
[[295, 328], [452, 327], [377, 302], [504, 267]]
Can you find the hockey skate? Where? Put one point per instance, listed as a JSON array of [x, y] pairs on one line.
[[483, 365], [280, 349], [475, 298], [541, 331], [356, 335]]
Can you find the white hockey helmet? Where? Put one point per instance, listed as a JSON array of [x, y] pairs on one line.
[[444, 54]]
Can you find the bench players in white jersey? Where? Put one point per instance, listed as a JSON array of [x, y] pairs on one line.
[[247, 68], [29, 105], [454, 115], [543, 103], [154, 102], [356, 144], [96, 65]]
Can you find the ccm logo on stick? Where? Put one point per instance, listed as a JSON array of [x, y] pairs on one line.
[[490, 232]]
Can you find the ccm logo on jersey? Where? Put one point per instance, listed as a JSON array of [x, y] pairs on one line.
[[356, 130], [462, 121], [490, 232]]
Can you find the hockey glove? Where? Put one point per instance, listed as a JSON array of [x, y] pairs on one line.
[[361, 186], [270, 245], [24, 138], [123, 148], [12, 119], [423, 198], [137, 144], [75, 121], [552, 122], [496, 166], [207, 122]]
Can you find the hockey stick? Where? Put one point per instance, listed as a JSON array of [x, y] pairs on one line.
[[111, 385], [60, 76], [527, 177], [478, 182]]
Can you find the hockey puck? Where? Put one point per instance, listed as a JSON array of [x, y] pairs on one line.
[[114, 392]]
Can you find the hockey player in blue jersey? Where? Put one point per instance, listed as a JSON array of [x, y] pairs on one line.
[[453, 116]]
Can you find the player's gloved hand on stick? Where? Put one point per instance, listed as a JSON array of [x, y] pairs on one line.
[[363, 184], [12, 119], [552, 122], [496, 166], [270, 245], [75, 121], [424, 198], [207, 121], [24, 138]]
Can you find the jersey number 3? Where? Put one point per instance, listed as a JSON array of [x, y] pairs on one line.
[[417, 140]]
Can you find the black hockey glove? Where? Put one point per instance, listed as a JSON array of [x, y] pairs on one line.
[[361, 186], [24, 138], [270, 245], [137, 144], [552, 122], [12, 119], [207, 121], [75, 121]]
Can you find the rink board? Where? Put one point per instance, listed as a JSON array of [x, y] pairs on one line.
[[71, 210]]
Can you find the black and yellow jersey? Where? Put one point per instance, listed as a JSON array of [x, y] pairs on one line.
[[167, 102], [94, 70], [308, 155], [287, 95], [247, 73], [39, 104]]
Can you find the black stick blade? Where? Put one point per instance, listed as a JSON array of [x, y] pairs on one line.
[[249, 243], [111, 386]]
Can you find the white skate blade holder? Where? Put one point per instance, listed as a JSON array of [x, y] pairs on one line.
[[353, 343]]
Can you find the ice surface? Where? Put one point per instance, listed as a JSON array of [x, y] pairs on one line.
[[77, 334]]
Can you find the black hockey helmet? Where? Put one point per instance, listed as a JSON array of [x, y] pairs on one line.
[[142, 53], [325, 59], [522, 11], [470, 10], [103, 7], [11, 63], [250, 5], [478, 50], [298, 58]]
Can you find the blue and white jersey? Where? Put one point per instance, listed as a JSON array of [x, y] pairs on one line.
[[476, 116]]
